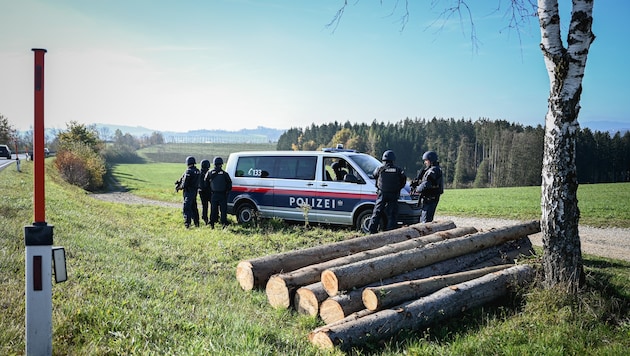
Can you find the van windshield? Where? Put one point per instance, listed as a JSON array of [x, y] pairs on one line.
[[367, 163]]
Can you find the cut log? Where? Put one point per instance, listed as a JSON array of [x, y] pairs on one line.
[[338, 307], [308, 298], [492, 256], [280, 287], [377, 298], [254, 273], [422, 312], [363, 272], [354, 316]]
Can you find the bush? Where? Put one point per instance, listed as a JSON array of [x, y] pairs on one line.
[[79, 165], [121, 154]]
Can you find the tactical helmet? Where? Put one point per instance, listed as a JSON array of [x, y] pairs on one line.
[[338, 165], [389, 155], [205, 164], [430, 155], [218, 161], [190, 160]]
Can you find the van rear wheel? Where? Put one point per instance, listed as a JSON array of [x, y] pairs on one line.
[[245, 213], [363, 221]]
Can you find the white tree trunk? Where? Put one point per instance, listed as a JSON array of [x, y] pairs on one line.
[[562, 257]]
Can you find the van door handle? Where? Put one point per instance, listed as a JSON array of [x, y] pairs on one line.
[[309, 184], [324, 185]]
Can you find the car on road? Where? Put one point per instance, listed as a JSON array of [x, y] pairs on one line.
[[29, 153], [5, 151]]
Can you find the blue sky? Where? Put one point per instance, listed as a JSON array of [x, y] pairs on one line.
[[233, 64]]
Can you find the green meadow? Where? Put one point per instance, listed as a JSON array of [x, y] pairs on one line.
[[139, 283]]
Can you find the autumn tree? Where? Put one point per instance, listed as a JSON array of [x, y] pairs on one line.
[[562, 257], [7, 132]]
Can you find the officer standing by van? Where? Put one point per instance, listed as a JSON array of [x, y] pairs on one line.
[[204, 191], [390, 179], [220, 186], [430, 185], [189, 183]]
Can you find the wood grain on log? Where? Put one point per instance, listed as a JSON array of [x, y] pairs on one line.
[[308, 299]]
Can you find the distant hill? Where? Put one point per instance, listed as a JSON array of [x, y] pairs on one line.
[[258, 135]]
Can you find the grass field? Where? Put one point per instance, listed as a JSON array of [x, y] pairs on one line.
[[176, 153], [139, 283]]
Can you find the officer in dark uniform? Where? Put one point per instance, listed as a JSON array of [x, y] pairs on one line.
[[189, 183], [338, 168], [220, 186], [390, 179], [430, 185], [204, 191]]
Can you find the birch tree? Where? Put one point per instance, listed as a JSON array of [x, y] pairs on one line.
[[562, 256], [565, 64]]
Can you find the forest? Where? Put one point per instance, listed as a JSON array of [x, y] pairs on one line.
[[481, 153]]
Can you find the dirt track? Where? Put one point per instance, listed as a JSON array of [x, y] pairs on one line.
[[609, 242]]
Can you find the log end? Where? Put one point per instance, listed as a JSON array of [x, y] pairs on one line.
[[278, 294], [330, 283], [306, 302], [330, 311], [370, 299], [321, 340], [245, 275]]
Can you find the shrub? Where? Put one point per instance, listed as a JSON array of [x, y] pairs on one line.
[[121, 154], [79, 165]]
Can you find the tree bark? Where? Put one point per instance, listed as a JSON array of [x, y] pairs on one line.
[[363, 272], [492, 256], [376, 298], [420, 313], [254, 273], [562, 257], [280, 287]]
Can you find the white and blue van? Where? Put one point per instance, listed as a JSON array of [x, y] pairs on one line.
[[300, 185]]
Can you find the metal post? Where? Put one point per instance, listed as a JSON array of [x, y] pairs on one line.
[[38, 238]]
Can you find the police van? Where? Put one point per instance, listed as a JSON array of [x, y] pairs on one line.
[[301, 185]]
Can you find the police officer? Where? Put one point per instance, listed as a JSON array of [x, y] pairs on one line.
[[338, 168], [390, 179], [220, 186], [204, 191], [189, 183], [430, 186]]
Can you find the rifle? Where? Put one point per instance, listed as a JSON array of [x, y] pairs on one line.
[[178, 185]]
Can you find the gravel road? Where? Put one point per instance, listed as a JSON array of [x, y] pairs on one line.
[[608, 242]]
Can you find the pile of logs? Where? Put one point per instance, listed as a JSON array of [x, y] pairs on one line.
[[373, 286]]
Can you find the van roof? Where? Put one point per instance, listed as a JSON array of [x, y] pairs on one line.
[[295, 153]]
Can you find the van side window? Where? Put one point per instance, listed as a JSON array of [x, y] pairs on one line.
[[258, 167], [287, 167], [296, 167]]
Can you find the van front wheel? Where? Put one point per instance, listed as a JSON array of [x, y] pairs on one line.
[[363, 221], [246, 213]]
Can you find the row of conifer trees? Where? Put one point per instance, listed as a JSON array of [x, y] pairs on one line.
[[481, 153]]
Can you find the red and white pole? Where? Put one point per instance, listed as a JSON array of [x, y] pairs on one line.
[[38, 238]]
